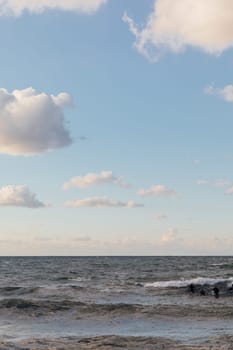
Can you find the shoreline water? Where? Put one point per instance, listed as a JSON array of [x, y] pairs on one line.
[[116, 342], [129, 303]]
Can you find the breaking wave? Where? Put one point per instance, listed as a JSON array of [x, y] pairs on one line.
[[201, 281]]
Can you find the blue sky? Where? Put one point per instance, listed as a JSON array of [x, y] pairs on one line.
[[152, 106]]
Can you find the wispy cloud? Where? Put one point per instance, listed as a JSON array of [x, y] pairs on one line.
[[31, 122], [170, 236], [229, 191], [157, 191], [225, 93], [196, 161], [214, 183], [17, 7], [19, 196], [82, 138], [101, 202], [174, 25], [159, 217], [105, 177], [63, 241]]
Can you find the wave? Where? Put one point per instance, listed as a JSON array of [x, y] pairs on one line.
[[222, 265], [37, 308], [34, 308], [8, 290], [42, 305], [182, 283]]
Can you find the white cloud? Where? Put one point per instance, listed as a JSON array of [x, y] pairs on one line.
[[169, 237], [17, 7], [226, 92], [157, 190], [19, 196], [132, 204], [62, 241], [31, 122], [160, 217], [105, 177], [202, 182], [221, 183], [175, 24], [229, 191], [101, 202], [214, 183]]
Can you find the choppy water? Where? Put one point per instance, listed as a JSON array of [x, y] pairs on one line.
[[60, 297]]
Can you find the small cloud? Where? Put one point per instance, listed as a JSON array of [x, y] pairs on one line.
[[196, 161], [83, 138], [221, 183], [132, 204], [105, 177], [159, 217], [226, 93], [61, 241], [82, 239], [101, 202], [214, 183], [19, 196], [229, 191], [202, 182], [17, 7], [157, 191], [169, 237], [31, 122]]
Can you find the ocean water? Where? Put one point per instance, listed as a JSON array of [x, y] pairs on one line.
[[65, 301]]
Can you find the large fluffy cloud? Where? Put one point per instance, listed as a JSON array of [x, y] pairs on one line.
[[105, 177], [19, 196], [17, 7], [31, 122], [101, 202], [175, 24], [157, 191]]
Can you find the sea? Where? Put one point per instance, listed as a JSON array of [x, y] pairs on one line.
[[116, 303]]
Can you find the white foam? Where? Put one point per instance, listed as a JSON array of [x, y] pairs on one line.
[[186, 282]]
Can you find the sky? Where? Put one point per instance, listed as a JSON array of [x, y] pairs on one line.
[[116, 123]]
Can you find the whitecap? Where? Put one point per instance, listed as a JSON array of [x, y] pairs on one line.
[[186, 282]]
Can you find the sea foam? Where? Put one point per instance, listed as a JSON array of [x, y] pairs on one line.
[[186, 282]]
